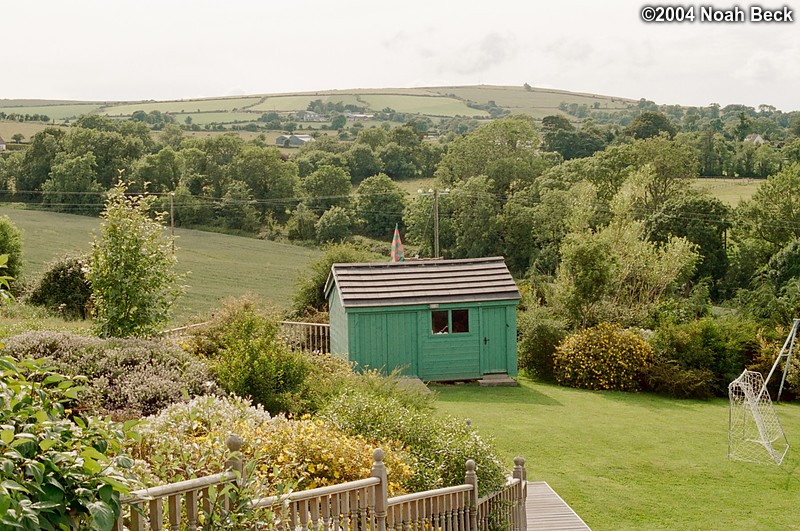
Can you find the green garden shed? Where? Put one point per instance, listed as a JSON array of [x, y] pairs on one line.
[[438, 320]]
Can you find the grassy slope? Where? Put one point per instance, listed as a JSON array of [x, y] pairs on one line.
[[635, 461], [729, 191], [220, 265], [433, 101]]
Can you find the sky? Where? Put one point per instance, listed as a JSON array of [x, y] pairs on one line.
[[122, 50]]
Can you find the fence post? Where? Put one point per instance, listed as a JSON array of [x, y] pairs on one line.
[[521, 474], [234, 462], [382, 490], [471, 478]]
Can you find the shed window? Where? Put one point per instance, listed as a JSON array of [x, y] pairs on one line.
[[460, 321], [439, 323], [447, 321]]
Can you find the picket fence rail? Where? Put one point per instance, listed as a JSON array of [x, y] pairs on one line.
[[362, 505]]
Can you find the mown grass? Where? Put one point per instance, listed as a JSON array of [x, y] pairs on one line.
[[729, 191], [635, 461], [220, 265]]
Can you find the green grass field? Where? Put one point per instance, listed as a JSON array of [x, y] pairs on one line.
[[635, 461], [204, 105], [300, 102], [27, 129], [220, 265], [202, 118], [56, 112], [428, 105], [729, 191]]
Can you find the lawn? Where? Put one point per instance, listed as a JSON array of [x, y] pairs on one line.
[[220, 265], [635, 461]]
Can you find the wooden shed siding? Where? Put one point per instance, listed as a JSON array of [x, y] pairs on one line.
[[386, 340], [339, 329]]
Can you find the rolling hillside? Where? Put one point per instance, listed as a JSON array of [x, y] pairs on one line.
[[432, 102], [218, 265]]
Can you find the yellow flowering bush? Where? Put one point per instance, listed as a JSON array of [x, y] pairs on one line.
[[605, 357], [310, 453], [188, 440]]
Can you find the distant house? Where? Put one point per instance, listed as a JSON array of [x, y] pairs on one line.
[[310, 116], [293, 140], [358, 117], [2, 144], [754, 138]]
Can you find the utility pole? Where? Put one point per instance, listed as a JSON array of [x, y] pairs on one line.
[[172, 219], [435, 194]]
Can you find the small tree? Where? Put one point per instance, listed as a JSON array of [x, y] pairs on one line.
[[333, 226], [131, 268], [11, 245]]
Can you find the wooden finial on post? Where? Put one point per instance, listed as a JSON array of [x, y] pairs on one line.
[[382, 489], [519, 468], [234, 462], [469, 424], [471, 478]]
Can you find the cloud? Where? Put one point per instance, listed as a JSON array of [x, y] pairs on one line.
[[491, 51]]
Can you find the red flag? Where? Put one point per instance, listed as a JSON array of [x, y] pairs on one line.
[[398, 254]]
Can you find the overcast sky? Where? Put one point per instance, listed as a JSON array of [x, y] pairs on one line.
[[168, 49]]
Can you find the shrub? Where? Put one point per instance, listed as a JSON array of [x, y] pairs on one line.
[[248, 358], [11, 244], [64, 288], [333, 226], [58, 469], [309, 295], [439, 446], [540, 332], [605, 357], [127, 378], [700, 358], [187, 440], [132, 268]]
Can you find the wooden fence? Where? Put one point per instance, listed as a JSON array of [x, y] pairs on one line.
[[361, 505], [310, 337]]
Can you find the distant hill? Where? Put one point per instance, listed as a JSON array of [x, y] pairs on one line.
[[369, 106]]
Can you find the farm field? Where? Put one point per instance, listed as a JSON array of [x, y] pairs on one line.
[[428, 105], [202, 118], [218, 104], [220, 265], [26, 129], [634, 461], [55, 112], [300, 102], [729, 191]]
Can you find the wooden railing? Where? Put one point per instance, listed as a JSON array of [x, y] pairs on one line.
[[185, 498], [363, 505], [310, 337]]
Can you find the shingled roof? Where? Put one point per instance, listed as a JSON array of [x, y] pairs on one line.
[[422, 282]]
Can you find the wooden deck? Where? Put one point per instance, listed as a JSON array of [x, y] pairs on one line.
[[546, 510]]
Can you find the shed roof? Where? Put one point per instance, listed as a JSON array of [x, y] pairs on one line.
[[422, 282]]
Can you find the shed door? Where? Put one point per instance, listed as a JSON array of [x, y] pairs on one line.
[[494, 340]]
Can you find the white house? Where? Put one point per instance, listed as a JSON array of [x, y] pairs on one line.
[[2, 144]]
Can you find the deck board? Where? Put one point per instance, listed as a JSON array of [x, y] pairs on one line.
[[546, 511]]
